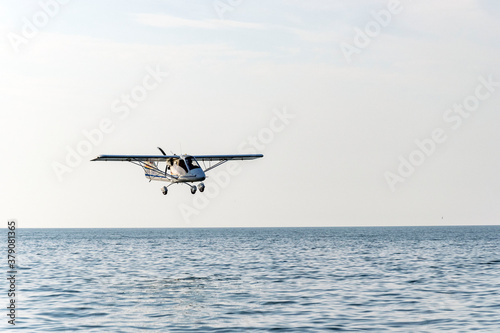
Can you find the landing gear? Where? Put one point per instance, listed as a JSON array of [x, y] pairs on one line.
[[200, 187]]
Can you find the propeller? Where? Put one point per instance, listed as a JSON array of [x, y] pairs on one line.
[[162, 151], [166, 165]]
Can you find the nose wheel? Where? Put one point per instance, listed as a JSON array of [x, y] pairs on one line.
[[201, 188]]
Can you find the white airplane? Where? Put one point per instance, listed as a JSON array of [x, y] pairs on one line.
[[179, 169]]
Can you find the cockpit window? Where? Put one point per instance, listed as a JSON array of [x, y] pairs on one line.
[[182, 164], [191, 163]]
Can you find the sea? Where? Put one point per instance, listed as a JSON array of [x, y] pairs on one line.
[[353, 279]]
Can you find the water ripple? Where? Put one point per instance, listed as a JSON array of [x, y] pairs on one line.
[[260, 280]]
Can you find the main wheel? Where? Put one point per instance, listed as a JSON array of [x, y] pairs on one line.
[[164, 190], [193, 189], [201, 187]]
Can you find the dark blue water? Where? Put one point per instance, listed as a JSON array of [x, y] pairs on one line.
[[406, 279]]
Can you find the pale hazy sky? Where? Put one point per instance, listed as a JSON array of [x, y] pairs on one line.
[[342, 97]]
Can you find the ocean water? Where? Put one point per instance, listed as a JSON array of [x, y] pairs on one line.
[[383, 279]]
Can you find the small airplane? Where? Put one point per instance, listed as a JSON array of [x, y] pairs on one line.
[[179, 169]]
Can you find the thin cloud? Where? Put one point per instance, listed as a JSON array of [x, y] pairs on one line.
[[168, 21]]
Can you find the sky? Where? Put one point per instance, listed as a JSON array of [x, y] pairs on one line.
[[368, 113]]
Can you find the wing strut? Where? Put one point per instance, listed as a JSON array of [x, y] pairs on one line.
[[215, 165]]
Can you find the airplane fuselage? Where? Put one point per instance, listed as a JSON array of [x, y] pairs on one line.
[[184, 169], [196, 175]]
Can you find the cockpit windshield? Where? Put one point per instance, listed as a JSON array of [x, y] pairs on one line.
[[192, 163]]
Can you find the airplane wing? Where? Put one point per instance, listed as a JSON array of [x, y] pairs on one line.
[[129, 158], [142, 160], [226, 157], [162, 158]]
